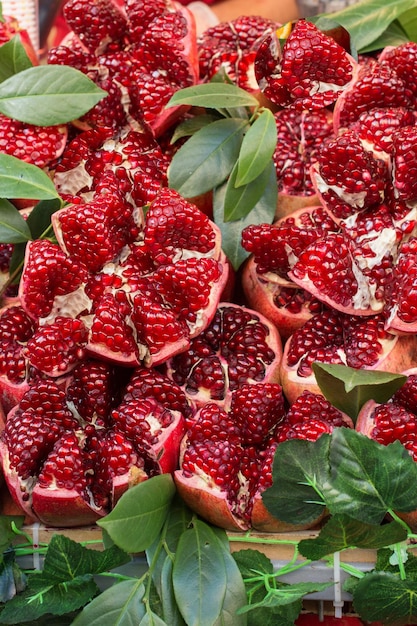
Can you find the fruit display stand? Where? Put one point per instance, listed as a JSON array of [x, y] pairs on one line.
[[331, 606]]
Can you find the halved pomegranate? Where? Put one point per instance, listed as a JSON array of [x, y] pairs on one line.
[[140, 52], [226, 458], [68, 453], [240, 346], [140, 288], [231, 46], [334, 337], [309, 70]]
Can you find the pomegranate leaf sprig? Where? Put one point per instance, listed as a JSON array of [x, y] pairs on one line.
[[229, 153], [374, 24]]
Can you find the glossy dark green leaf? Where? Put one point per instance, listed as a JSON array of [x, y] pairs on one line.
[[348, 388], [381, 596], [191, 125], [257, 149], [367, 20], [341, 532], [138, 516], [13, 58], [178, 520], [207, 158], [300, 470], [24, 180], [121, 604], [46, 95], [262, 212], [200, 575], [169, 605], [39, 219], [214, 95], [235, 596], [369, 479], [13, 227], [239, 201]]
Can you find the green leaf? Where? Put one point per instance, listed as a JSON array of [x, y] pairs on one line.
[[348, 388], [235, 596], [207, 158], [121, 604], [200, 575], [394, 35], [342, 532], [369, 479], [408, 22], [191, 125], [152, 619], [12, 579], [300, 470], [169, 605], [239, 201], [66, 559], [381, 596], [39, 219], [367, 20], [7, 535], [13, 227], [262, 212], [43, 596], [13, 58], [138, 516], [24, 180], [213, 95], [285, 594], [257, 149], [178, 520], [251, 562], [47, 95]]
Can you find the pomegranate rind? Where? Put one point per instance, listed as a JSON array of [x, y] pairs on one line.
[[263, 521], [260, 295], [401, 356], [208, 501]]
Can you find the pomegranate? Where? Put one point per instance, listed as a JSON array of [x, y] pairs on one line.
[[136, 289], [265, 275], [90, 159], [16, 328], [68, 453], [334, 337], [226, 456], [309, 70], [231, 47], [140, 52], [375, 84], [394, 420], [239, 347], [349, 265]]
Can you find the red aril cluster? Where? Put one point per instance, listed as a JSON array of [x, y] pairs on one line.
[[70, 450], [226, 457], [139, 52]]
